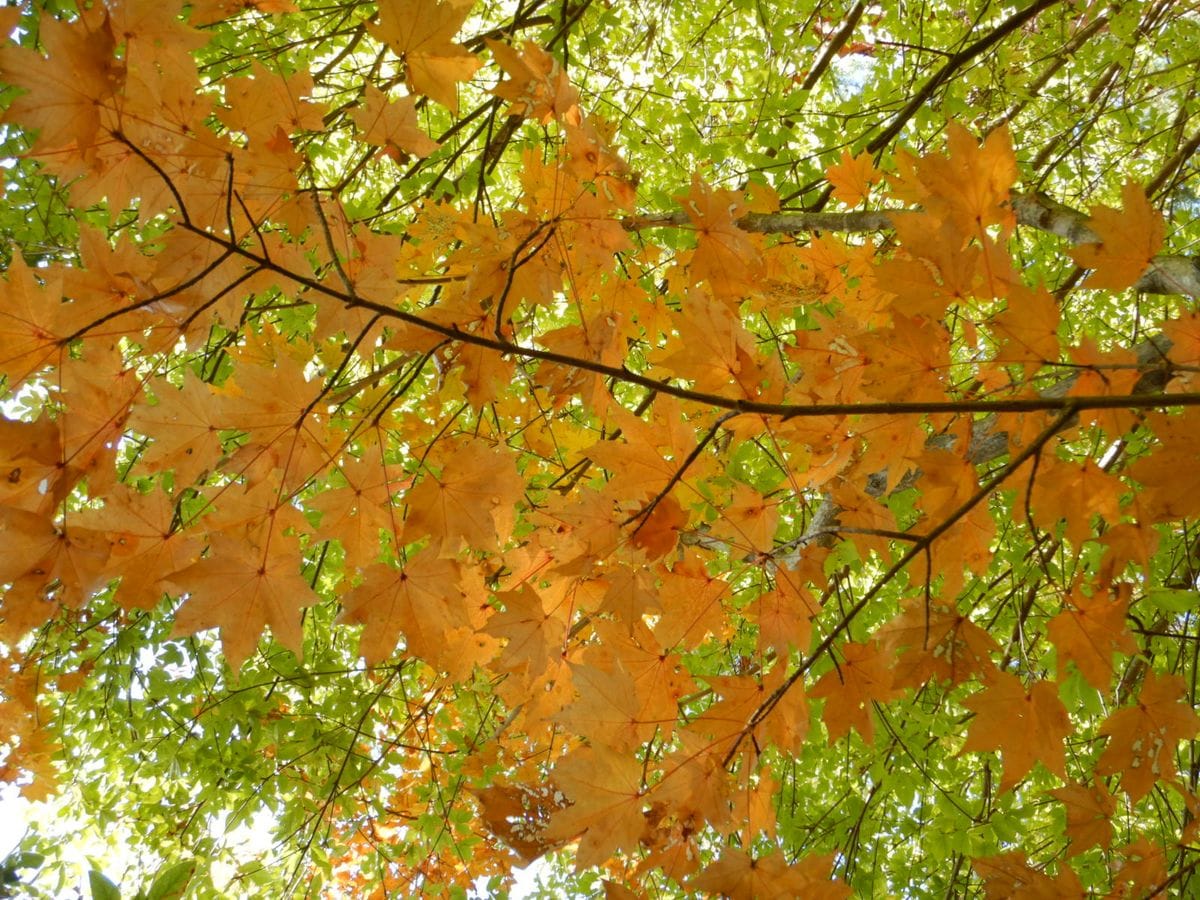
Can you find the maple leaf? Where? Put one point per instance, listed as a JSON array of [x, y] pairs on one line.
[[1142, 870], [1129, 239], [357, 513], [863, 677], [31, 474], [937, 643], [471, 502], [533, 634], [1008, 876], [905, 361], [713, 349], [749, 520], [1143, 737], [71, 88], [421, 32], [699, 789], [692, 604], [1089, 815], [969, 186], [30, 328], [784, 616], [537, 86], [145, 546], [258, 104], [1090, 633], [658, 533], [392, 124], [518, 815], [29, 540], [632, 592], [608, 707], [605, 788], [1025, 726], [726, 257], [240, 590], [851, 179], [207, 12], [1075, 493], [421, 600], [579, 530], [742, 696], [738, 875], [651, 452], [1029, 328], [659, 679], [931, 274], [185, 426], [1170, 482]]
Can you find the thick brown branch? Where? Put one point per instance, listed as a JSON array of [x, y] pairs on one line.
[[1165, 275]]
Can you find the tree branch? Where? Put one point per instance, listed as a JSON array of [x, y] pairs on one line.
[[1165, 274]]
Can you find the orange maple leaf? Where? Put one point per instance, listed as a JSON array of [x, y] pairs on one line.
[[471, 502], [713, 349], [533, 634], [537, 86], [41, 559], [742, 696], [693, 604], [31, 463], [738, 875], [258, 104], [1129, 239], [658, 533], [938, 643], [356, 513], [1008, 876], [605, 788], [1169, 476], [864, 676], [1089, 815], [1143, 737], [1076, 493], [608, 708], [518, 814], [784, 616], [851, 179], [240, 590], [659, 679], [1143, 868], [30, 327], [725, 256], [391, 124], [1089, 633], [1028, 328], [145, 547], [908, 361], [185, 425], [749, 520], [71, 91], [422, 600], [421, 31], [968, 186], [1025, 726]]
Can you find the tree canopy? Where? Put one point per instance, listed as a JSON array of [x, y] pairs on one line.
[[728, 448]]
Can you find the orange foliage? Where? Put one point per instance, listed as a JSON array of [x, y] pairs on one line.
[[544, 508]]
